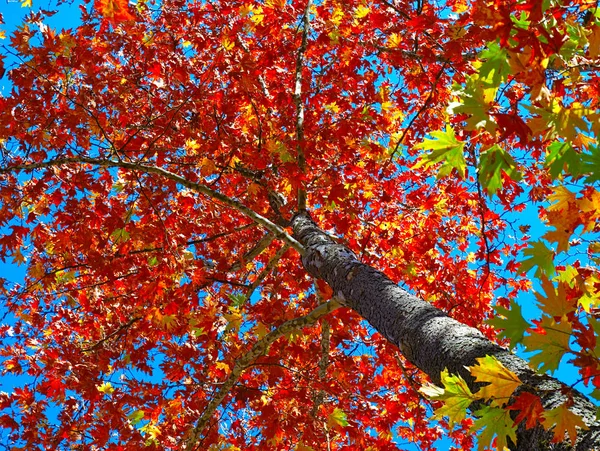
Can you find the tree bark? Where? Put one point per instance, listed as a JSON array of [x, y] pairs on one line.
[[429, 338]]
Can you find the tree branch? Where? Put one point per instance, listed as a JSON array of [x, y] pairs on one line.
[[299, 104], [198, 187], [259, 348]]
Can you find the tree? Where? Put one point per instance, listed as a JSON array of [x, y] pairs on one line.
[[215, 201]]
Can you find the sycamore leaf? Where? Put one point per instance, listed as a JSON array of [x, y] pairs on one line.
[[510, 322], [337, 419], [530, 409], [456, 396], [551, 341], [445, 148], [538, 255], [492, 164], [563, 420], [494, 421], [501, 381]]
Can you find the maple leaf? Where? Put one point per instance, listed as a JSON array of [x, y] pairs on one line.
[[447, 149], [494, 421], [561, 198], [540, 256], [494, 162], [501, 381], [456, 396], [554, 303], [495, 68], [561, 157], [337, 419], [510, 322], [530, 409], [551, 341], [114, 10], [591, 164], [474, 101], [563, 420]]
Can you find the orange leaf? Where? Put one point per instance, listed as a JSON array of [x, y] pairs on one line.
[[563, 420], [114, 10], [530, 408]]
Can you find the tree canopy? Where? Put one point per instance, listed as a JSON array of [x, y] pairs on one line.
[[214, 203]]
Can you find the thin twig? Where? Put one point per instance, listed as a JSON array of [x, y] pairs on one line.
[[259, 348], [198, 187], [265, 272]]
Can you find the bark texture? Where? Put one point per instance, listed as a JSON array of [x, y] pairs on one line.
[[429, 338]]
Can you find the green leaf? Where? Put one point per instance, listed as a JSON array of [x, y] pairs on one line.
[[563, 157], [475, 100], [495, 68], [551, 343], [510, 322], [538, 255], [237, 299], [119, 235], [136, 416], [494, 421], [522, 21], [456, 395], [492, 163], [445, 148], [337, 419], [591, 165]]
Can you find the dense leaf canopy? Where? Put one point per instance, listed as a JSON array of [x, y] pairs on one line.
[[152, 158]]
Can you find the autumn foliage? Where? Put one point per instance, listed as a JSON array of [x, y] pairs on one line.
[[152, 157]]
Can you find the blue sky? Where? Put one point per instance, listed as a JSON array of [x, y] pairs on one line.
[[67, 17]]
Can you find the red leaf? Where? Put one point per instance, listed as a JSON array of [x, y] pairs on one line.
[[530, 407]]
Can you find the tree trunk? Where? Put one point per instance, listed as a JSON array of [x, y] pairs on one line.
[[429, 338]]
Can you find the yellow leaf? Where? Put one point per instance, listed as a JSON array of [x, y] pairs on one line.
[[234, 320], [106, 388], [456, 395], [207, 167], [561, 196], [502, 381], [275, 4], [26, 4], [226, 43], [361, 11], [563, 420], [151, 429], [337, 419], [394, 40], [245, 10], [337, 16], [594, 40], [222, 366], [254, 188], [257, 16]]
